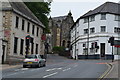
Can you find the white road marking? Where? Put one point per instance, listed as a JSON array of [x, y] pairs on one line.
[[24, 69], [50, 75], [53, 69], [11, 74], [17, 69], [75, 65], [59, 68], [66, 69], [21, 69]]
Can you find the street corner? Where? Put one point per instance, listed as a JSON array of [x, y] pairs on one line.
[[6, 66], [113, 71]]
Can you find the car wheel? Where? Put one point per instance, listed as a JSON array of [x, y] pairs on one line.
[[39, 65], [24, 66], [44, 64]]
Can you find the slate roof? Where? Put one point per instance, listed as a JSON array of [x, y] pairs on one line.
[[58, 20], [21, 9], [61, 18], [108, 7]]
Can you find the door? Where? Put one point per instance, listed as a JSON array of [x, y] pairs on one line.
[[102, 51], [3, 55]]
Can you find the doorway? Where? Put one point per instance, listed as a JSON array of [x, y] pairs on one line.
[[3, 55], [102, 49]]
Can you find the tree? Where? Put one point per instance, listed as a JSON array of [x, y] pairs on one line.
[[41, 10]]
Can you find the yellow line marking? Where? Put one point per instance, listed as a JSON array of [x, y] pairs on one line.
[[109, 71], [106, 72]]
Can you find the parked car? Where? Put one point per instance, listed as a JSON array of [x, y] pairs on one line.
[[34, 60]]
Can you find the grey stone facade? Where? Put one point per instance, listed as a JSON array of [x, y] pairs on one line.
[[60, 30], [18, 22]]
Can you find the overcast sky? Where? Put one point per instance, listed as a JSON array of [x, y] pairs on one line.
[[77, 7]]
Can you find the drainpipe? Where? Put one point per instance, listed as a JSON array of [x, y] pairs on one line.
[[75, 43], [88, 39]]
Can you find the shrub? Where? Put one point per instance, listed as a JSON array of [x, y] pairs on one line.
[[58, 50]]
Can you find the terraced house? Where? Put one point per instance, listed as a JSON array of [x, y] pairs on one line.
[[91, 32], [17, 22]]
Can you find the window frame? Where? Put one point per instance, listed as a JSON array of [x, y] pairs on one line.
[[33, 29], [103, 16], [15, 45], [17, 22], [86, 31], [103, 27], [22, 46], [37, 32], [92, 30], [117, 17], [28, 27], [23, 24]]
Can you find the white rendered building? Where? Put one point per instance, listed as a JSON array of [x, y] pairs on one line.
[[96, 27]]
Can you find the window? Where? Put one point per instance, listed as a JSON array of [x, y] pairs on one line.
[[85, 20], [116, 50], [85, 31], [92, 30], [28, 28], [117, 30], [85, 51], [117, 17], [92, 18], [84, 45], [103, 28], [17, 22], [36, 48], [33, 28], [103, 16], [15, 44], [37, 31], [92, 50], [21, 46], [23, 24]]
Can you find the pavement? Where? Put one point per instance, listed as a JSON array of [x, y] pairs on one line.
[[7, 66], [114, 72]]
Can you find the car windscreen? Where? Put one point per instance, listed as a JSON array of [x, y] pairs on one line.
[[30, 56]]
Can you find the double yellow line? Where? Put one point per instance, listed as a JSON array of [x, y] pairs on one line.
[[110, 68]]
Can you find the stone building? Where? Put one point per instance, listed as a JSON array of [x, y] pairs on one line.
[[17, 22], [60, 30]]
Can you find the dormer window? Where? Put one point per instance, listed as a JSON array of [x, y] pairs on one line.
[[85, 20], [117, 17], [103, 16], [92, 18]]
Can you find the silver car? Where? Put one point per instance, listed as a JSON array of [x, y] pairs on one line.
[[34, 60]]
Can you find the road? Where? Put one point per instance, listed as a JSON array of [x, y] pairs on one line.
[[60, 67]]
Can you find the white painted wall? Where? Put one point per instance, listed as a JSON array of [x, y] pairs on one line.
[[99, 37]]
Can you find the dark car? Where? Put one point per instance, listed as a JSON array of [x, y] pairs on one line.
[[34, 60]]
